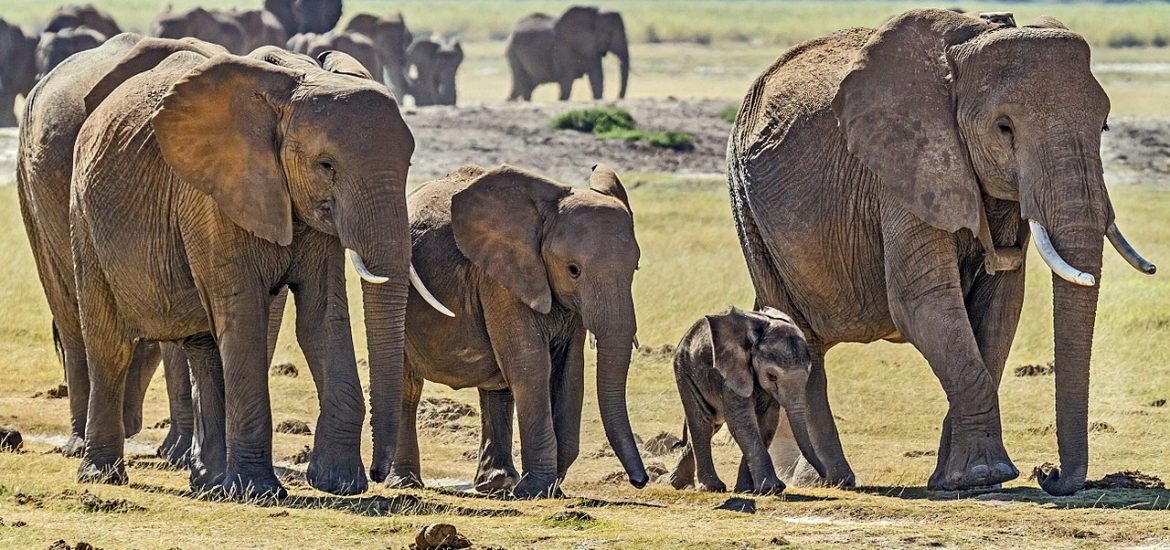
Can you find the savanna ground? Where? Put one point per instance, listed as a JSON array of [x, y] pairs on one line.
[[888, 404]]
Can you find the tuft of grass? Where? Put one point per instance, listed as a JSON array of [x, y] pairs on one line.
[[617, 123], [670, 139], [729, 114]]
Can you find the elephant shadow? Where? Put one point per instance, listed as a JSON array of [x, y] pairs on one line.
[[1128, 499]]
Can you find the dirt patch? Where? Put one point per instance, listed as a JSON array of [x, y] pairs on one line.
[[662, 444], [92, 503], [81, 545], [10, 440], [1036, 370], [1157, 403], [162, 424], [439, 536], [295, 427], [1101, 427], [654, 470], [301, 457], [32, 501], [413, 505], [1041, 430], [16, 523], [1137, 150], [571, 519], [472, 455], [1131, 479], [61, 391], [736, 504], [284, 369], [663, 352], [441, 413], [607, 452], [280, 514], [919, 454]]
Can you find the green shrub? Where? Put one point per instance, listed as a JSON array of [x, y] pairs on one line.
[[670, 139], [594, 119], [729, 113]]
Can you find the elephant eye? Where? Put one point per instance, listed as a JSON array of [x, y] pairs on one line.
[[1005, 126], [772, 377], [574, 271], [325, 163]]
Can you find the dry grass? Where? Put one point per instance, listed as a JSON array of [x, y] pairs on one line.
[[888, 403]]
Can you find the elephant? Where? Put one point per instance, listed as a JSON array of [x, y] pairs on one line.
[[435, 62], [74, 16], [741, 368], [880, 181], [53, 115], [54, 47], [530, 265], [545, 49], [356, 45], [19, 70], [392, 39], [201, 187], [211, 26], [305, 16], [261, 28]]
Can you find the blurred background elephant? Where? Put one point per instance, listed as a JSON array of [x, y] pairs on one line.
[[356, 45], [392, 38], [74, 16], [261, 28], [545, 49], [210, 26], [530, 265], [18, 71], [304, 16], [436, 62], [54, 47]]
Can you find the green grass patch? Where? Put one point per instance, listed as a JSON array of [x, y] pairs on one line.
[[617, 123], [729, 114]]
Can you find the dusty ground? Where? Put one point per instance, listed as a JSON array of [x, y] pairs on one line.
[[1135, 150]]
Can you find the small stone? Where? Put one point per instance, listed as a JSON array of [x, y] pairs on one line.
[[295, 427]]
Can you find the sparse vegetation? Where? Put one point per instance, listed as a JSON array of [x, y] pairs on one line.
[[729, 114], [616, 123]]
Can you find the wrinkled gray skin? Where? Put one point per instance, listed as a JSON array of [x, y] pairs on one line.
[[741, 368], [546, 49], [216, 233], [358, 46], [392, 39], [527, 265], [435, 61], [305, 16], [864, 223], [18, 72], [54, 47], [74, 16], [210, 26]]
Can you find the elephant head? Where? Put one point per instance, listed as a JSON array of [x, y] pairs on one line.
[[550, 244], [768, 350], [73, 16], [1003, 112], [18, 71], [215, 27], [436, 62], [54, 47], [589, 31], [392, 39], [317, 16]]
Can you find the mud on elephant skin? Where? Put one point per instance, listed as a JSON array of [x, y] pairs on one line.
[[923, 217], [741, 368], [529, 265], [545, 49]]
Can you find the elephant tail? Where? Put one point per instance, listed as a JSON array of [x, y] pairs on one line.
[[682, 443], [60, 349]]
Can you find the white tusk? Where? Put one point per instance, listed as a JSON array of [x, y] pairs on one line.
[[1053, 259], [360, 266], [636, 345], [1123, 247], [418, 285]]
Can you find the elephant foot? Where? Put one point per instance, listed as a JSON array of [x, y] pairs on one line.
[[175, 449], [380, 469], [681, 481], [496, 480], [337, 475], [106, 472], [132, 422], [73, 447], [982, 462], [252, 488], [531, 487], [771, 486], [713, 486], [404, 480], [204, 480]]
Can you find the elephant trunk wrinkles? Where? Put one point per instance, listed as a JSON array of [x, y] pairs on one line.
[[613, 365], [798, 420]]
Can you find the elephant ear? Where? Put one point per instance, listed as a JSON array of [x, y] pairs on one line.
[[498, 221], [343, 63], [577, 28], [217, 128], [146, 54], [733, 335], [897, 114], [1047, 22], [605, 180]]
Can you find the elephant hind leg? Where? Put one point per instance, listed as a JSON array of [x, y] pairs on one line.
[[522, 82], [496, 471], [176, 447], [406, 470], [67, 334], [683, 475], [208, 455], [143, 363]]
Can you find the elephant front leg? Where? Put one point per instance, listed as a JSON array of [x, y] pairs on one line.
[[176, 447], [759, 476], [406, 470], [496, 471], [596, 78], [208, 454], [568, 394]]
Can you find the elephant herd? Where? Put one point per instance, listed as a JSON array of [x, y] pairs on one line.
[[542, 49], [173, 190]]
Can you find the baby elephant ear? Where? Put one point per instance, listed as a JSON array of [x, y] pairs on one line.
[[732, 338]]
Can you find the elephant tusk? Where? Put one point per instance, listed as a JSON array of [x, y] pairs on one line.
[[360, 266], [592, 340], [1126, 250], [636, 344], [430, 299], [1055, 262]]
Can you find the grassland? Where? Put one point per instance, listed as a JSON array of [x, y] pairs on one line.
[[889, 407]]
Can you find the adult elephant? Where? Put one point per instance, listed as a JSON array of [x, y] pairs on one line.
[[435, 62], [53, 115], [74, 16], [55, 47], [211, 26], [261, 28], [245, 175], [303, 16], [18, 72], [545, 49], [357, 46], [530, 265], [392, 38], [879, 181]]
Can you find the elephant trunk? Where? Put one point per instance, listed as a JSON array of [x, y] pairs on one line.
[[613, 365], [798, 420], [622, 52]]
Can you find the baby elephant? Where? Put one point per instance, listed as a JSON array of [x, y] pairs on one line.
[[741, 367]]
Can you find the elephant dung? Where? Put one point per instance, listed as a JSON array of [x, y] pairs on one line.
[[439, 536], [284, 369], [61, 391], [662, 444], [10, 440], [82, 545], [736, 504], [295, 427], [1131, 479]]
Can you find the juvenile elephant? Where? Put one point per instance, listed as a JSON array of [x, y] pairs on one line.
[[530, 265], [546, 49], [435, 62], [54, 47], [200, 188], [211, 26], [741, 368], [303, 16], [358, 46], [18, 72], [880, 180], [74, 16], [392, 38], [261, 28]]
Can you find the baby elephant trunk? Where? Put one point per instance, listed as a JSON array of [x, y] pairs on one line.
[[798, 419]]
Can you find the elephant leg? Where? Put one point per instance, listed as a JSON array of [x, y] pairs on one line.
[[176, 446], [596, 78], [568, 394], [7, 110], [566, 85], [927, 306], [406, 470], [521, 89], [701, 434], [768, 420], [143, 363], [69, 338], [275, 320], [826, 438], [744, 426], [208, 454], [496, 471], [683, 475], [538, 452]]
